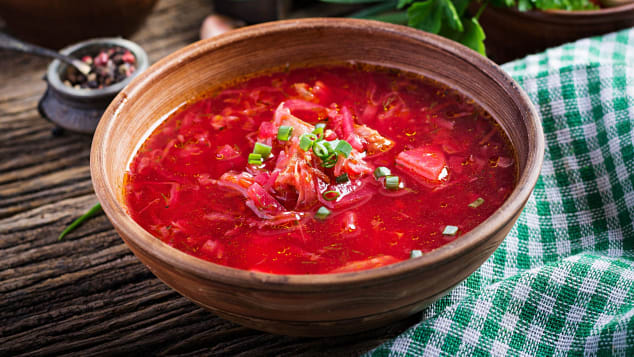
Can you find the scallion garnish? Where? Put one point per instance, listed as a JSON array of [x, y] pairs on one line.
[[262, 149], [322, 213], [306, 141], [319, 148], [319, 129], [330, 195], [450, 231], [343, 178], [343, 147], [284, 132], [331, 145], [392, 182], [328, 164], [255, 159], [381, 171], [329, 161], [91, 212], [415, 254], [477, 203]]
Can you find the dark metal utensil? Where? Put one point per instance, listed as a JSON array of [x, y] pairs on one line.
[[10, 43]]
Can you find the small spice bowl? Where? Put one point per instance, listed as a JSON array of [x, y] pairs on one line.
[[79, 109]]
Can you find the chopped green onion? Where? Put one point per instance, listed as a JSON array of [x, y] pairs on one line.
[[306, 141], [329, 164], [415, 254], [262, 149], [322, 213], [477, 203], [91, 212], [331, 145], [320, 149], [331, 195], [392, 182], [381, 171], [329, 161], [319, 129], [343, 147], [284, 132], [343, 178], [255, 159], [450, 230]]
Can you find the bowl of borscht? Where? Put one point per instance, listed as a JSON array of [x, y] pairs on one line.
[[317, 177]]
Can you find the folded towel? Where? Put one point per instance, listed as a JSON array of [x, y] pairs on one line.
[[562, 282]]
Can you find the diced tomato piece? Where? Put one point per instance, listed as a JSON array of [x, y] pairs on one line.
[[267, 130], [263, 200], [427, 162]]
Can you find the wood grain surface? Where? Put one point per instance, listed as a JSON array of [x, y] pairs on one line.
[[88, 294]]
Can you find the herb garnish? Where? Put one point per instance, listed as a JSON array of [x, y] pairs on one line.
[[451, 18], [91, 212]]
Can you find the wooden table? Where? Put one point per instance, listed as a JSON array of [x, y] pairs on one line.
[[88, 294]]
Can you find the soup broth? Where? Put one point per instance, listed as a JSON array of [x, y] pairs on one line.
[[320, 170]]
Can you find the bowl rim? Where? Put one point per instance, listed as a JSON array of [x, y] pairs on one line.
[[205, 270]]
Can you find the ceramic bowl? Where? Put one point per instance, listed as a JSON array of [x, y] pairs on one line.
[[79, 110], [328, 304], [513, 34]]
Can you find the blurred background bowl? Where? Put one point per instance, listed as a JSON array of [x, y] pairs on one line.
[[56, 23], [512, 34]]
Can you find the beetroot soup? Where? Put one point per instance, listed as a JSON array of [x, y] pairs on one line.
[[320, 170]]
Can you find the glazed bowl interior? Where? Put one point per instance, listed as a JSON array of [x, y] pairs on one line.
[[312, 304]]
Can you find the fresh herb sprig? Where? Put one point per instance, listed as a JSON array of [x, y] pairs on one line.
[[451, 18], [91, 212]]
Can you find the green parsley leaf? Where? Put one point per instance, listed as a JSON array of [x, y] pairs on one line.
[[426, 16]]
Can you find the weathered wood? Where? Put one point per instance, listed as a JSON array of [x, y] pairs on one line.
[[88, 294]]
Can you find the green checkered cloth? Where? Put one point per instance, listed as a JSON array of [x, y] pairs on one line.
[[562, 282]]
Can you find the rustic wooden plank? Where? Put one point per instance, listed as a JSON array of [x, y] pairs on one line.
[[88, 294], [63, 290]]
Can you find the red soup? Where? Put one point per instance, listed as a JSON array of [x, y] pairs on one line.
[[320, 170]]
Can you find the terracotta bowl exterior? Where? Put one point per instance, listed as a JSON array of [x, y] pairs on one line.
[[513, 34], [312, 305]]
